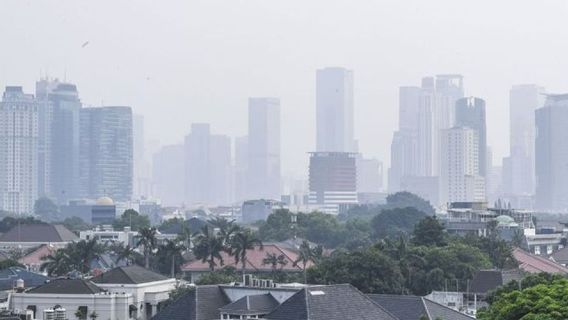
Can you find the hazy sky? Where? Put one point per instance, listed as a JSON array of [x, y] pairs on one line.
[[184, 61]]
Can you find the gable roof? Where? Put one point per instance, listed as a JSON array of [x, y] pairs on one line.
[[128, 275], [535, 264], [560, 256], [254, 261], [202, 303], [254, 304], [414, 307], [486, 280], [34, 257], [67, 286], [334, 302], [41, 233], [9, 275]]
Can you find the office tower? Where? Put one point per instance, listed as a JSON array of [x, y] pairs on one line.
[[207, 167], [45, 120], [241, 168], [470, 112], [65, 131], [519, 167], [106, 165], [415, 150], [369, 175], [18, 151], [459, 177], [333, 181], [168, 174], [552, 154], [263, 178], [141, 176], [334, 110]]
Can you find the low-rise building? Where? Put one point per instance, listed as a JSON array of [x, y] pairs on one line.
[[25, 236]]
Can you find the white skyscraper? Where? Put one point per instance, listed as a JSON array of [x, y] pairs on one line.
[[460, 180], [519, 167], [18, 151], [334, 110], [263, 178], [552, 154]]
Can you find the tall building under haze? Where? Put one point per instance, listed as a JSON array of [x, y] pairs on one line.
[[552, 154], [106, 153], [334, 110], [519, 166], [168, 176], [263, 147], [18, 151], [470, 112]]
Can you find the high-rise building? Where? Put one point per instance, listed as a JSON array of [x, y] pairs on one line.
[[264, 173], [519, 167], [167, 174], [552, 154], [141, 176], [460, 180], [334, 110], [64, 159], [333, 181], [241, 168], [470, 112], [106, 152], [18, 151], [369, 175], [207, 166], [45, 120], [415, 150]]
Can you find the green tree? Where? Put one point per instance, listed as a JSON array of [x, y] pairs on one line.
[[131, 218], [76, 224], [5, 264], [393, 222], [172, 251], [278, 226], [223, 276], [429, 231], [240, 243], [406, 199], [57, 263], [208, 247], [82, 253], [275, 261], [126, 253], [225, 228], [148, 242], [539, 302], [46, 209], [305, 255], [10, 222]]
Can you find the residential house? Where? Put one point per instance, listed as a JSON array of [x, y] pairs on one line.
[[25, 236]]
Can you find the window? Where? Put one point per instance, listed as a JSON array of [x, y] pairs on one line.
[[549, 249], [537, 250]]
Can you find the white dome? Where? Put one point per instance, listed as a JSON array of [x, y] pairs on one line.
[[105, 201]]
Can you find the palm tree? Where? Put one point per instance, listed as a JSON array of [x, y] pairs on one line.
[[305, 255], [241, 242], [173, 250], [208, 247], [148, 242], [82, 253], [126, 253], [227, 228], [57, 263], [274, 261], [185, 235]]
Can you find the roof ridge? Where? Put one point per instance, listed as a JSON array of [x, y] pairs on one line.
[[448, 308], [425, 308], [376, 304]]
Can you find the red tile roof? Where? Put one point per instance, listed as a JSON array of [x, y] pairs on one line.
[[34, 257], [535, 264], [254, 260]]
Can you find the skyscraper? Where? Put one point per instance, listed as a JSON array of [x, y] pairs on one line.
[[106, 152], [45, 120], [263, 178], [241, 168], [64, 145], [552, 154], [168, 174], [141, 176], [459, 177], [519, 167], [207, 166], [333, 181], [470, 112], [369, 175], [334, 110], [18, 151]]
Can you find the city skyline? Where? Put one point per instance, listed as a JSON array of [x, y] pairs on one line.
[[392, 57]]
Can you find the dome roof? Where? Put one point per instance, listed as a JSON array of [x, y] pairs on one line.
[[506, 221], [105, 201]]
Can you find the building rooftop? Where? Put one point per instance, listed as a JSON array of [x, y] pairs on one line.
[[253, 304], [415, 307], [128, 275], [8, 277], [534, 264], [201, 303], [40, 233], [67, 286]]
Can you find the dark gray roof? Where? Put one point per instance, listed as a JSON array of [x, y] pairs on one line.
[[561, 256], [202, 303], [414, 307], [128, 275], [67, 286], [486, 280], [42, 233], [8, 277], [254, 304], [335, 302]]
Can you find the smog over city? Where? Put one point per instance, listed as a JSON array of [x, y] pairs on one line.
[[406, 148]]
